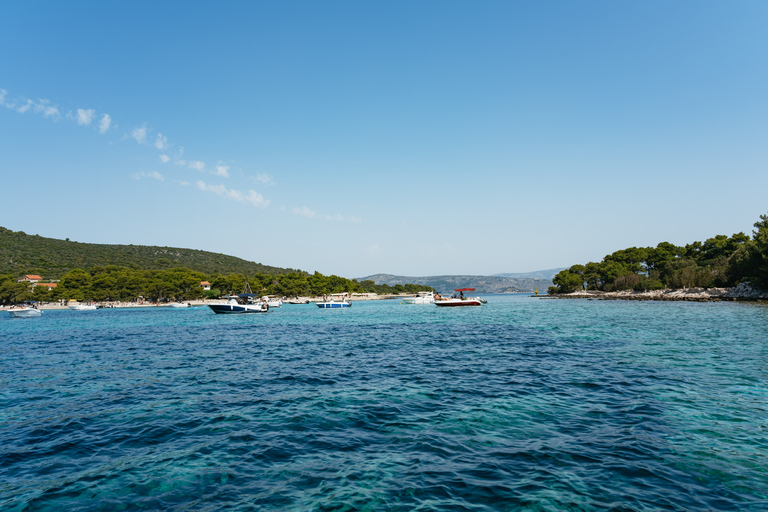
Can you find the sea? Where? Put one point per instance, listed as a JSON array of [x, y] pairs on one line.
[[522, 404]]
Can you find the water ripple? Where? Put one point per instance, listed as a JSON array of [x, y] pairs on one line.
[[518, 405]]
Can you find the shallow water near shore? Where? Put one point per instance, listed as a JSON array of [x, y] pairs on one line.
[[521, 404]]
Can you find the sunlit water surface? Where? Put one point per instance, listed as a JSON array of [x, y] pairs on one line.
[[522, 404]]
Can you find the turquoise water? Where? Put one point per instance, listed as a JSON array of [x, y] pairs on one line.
[[522, 404]]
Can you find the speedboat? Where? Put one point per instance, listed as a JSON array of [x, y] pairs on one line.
[[458, 299], [274, 302], [82, 307], [333, 304], [24, 311], [234, 306], [179, 305], [420, 298]]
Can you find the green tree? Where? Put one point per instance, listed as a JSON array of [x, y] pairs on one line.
[[75, 284], [12, 292], [569, 280]]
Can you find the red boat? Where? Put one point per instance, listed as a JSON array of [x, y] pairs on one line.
[[458, 299]]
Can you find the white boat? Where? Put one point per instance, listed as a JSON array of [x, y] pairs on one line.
[[235, 306], [24, 311], [333, 304], [82, 307], [179, 305], [420, 298], [274, 302], [458, 299]]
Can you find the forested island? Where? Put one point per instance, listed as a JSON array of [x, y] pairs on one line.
[[721, 261], [100, 272]]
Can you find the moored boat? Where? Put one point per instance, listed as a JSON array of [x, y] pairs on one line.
[[179, 305], [274, 302], [235, 306], [83, 307], [333, 304], [420, 298], [458, 299], [24, 311]]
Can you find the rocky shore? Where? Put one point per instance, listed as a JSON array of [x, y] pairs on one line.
[[742, 292]]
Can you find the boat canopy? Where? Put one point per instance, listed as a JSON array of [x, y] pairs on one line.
[[463, 289]]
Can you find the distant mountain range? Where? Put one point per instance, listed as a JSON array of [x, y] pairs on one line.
[[481, 284], [539, 274]]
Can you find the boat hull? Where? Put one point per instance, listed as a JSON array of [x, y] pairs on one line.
[[418, 300], [25, 313], [457, 303], [234, 309], [333, 305], [83, 307]]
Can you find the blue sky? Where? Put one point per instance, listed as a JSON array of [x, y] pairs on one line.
[[412, 138]]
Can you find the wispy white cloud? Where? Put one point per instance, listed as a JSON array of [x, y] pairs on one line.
[[23, 105], [304, 212], [251, 197], [177, 158], [84, 116], [342, 218], [161, 142], [139, 133], [264, 178], [256, 199], [154, 175], [104, 124], [197, 164], [373, 248], [165, 159], [184, 183], [222, 170], [3, 93], [44, 107]]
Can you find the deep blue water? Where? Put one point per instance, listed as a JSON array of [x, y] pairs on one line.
[[522, 404]]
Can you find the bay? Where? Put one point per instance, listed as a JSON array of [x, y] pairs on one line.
[[521, 404]]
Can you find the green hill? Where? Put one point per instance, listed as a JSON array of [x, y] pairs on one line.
[[51, 258]]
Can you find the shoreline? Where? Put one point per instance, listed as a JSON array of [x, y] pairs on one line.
[[741, 293], [197, 302]]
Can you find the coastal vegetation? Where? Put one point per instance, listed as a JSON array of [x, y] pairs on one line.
[[51, 258], [114, 283], [99, 272], [721, 261]]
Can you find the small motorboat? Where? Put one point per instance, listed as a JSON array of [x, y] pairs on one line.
[[24, 311], [333, 304], [458, 299], [420, 298], [235, 306], [179, 305], [83, 307], [274, 302]]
